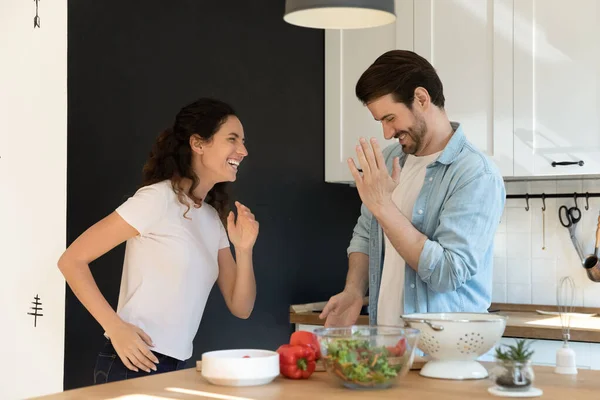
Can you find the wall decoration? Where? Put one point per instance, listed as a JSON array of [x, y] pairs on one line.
[[36, 308], [36, 19]]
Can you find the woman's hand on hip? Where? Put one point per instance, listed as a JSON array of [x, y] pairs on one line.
[[133, 346]]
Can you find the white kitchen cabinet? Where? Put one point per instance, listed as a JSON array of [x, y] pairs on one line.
[[469, 44], [557, 86], [522, 76], [348, 53]]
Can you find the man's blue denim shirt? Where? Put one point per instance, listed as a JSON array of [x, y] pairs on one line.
[[458, 209]]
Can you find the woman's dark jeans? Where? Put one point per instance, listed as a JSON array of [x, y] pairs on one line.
[[110, 368]]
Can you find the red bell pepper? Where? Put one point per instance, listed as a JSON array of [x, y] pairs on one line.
[[296, 361], [309, 339]]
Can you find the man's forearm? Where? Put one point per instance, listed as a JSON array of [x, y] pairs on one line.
[[405, 238], [357, 280]]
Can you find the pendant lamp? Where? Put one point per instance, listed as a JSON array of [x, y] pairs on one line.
[[339, 14]]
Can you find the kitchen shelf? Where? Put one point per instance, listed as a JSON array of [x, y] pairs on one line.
[[523, 322]]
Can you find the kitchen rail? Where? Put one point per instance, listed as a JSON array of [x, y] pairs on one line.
[[545, 196]]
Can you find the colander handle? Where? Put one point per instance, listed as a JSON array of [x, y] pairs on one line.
[[435, 327]]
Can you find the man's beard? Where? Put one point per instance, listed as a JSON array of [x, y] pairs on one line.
[[416, 133]]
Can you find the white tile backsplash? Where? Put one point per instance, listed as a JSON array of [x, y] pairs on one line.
[[500, 245], [542, 293], [516, 203], [569, 186], [518, 245], [525, 273], [518, 270], [499, 293], [543, 272], [542, 186], [518, 187], [591, 185], [591, 297], [499, 269], [518, 293], [543, 247], [518, 220]]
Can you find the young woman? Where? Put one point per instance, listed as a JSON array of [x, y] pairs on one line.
[[176, 247]]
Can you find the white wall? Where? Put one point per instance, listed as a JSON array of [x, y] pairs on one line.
[[526, 274], [33, 155]]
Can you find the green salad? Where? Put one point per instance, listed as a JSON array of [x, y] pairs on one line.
[[358, 362]]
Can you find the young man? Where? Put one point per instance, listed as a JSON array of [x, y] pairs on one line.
[[431, 204]]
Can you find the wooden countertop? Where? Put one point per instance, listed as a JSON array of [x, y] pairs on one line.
[[189, 384], [523, 322]]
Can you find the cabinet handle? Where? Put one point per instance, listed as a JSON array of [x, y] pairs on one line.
[[580, 163]]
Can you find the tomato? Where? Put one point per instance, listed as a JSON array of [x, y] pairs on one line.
[[399, 349]]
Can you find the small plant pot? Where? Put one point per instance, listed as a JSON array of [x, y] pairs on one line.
[[513, 375]]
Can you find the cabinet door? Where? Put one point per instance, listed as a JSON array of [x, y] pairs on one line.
[[348, 53], [470, 45], [557, 86]]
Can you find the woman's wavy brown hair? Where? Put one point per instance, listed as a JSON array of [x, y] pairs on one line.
[[171, 156]]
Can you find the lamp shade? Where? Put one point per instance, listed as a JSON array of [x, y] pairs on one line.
[[339, 14]]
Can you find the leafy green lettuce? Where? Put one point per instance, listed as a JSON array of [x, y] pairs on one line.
[[360, 362]]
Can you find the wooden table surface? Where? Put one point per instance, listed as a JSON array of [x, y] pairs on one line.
[[189, 384]]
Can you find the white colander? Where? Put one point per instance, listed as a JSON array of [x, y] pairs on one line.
[[453, 341]]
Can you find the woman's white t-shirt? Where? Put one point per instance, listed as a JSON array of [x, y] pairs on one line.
[[169, 268]]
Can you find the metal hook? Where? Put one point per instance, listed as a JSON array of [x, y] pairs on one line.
[[527, 200], [36, 19], [575, 199], [587, 203], [543, 201]]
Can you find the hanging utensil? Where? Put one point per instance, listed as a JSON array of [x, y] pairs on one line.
[[591, 263], [543, 221], [572, 216], [565, 298]]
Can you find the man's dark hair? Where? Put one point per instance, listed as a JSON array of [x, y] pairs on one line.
[[400, 72]]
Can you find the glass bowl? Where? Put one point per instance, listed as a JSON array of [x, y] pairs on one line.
[[367, 357]]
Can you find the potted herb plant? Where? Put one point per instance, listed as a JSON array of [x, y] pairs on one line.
[[514, 370]]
